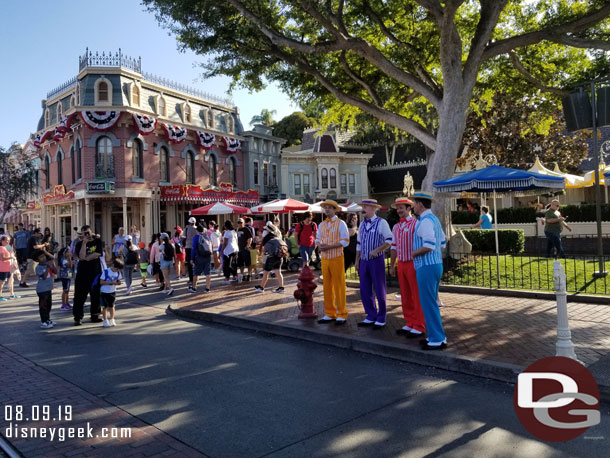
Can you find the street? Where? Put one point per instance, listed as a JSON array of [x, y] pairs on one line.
[[235, 393]]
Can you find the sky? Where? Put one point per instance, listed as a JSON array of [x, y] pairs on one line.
[[42, 41]]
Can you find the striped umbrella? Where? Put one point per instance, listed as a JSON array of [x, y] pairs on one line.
[[285, 206], [219, 208]]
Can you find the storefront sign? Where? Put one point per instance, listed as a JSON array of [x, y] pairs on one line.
[[100, 187], [59, 195], [32, 205], [194, 193]]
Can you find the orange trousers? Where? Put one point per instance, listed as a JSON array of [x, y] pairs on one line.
[[411, 307], [333, 273]]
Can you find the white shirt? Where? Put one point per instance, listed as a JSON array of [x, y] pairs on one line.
[[109, 275], [232, 247]]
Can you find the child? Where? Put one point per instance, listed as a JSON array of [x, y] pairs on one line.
[[64, 262], [45, 270], [144, 259], [109, 280]]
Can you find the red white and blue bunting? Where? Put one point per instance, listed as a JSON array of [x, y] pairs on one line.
[[145, 124], [175, 134], [41, 137], [231, 144], [205, 139], [63, 127], [100, 120]]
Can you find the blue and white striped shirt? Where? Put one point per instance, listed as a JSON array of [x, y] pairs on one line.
[[373, 233], [428, 234]]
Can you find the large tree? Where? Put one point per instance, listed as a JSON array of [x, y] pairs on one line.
[[413, 64], [291, 127], [18, 178], [265, 118]]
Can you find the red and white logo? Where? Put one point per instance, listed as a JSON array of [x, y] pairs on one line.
[[557, 399]]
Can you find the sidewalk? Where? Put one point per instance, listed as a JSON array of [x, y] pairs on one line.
[[489, 336]]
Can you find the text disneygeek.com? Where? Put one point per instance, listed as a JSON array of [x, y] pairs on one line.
[[61, 433]]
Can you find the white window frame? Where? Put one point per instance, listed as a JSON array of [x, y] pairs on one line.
[[296, 182], [351, 181], [103, 103]]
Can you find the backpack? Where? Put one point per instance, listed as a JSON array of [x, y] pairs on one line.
[[204, 246], [301, 225], [96, 280], [131, 258], [168, 251], [276, 247], [282, 251]]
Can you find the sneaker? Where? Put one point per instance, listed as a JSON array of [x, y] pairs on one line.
[[112, 322], [2, 299], [77, 323], [14, 296], [65, 307], [96, 319], [144, 285], [227, 281], [191, 289], [279, 290], [24, 285], [106, 324], [170, 291], [46, 325], [259, 289], [128, 292], [206, 291]]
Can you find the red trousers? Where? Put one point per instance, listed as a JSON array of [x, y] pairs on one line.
[[411, 307]]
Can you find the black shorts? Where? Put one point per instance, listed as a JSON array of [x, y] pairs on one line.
[[22, 255], [156, 268], [65, 284], [4, 275], [243, 258], [273, 263], [108, 300]]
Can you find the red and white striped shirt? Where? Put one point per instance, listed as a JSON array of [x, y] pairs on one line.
[[403, 238]]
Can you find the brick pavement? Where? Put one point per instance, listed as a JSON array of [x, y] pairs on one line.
[[27, 384], [501, 329]]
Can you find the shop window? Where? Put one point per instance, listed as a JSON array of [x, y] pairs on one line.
[[104, 164], [164, 164], [213, 171], [190, 168], [324, 174], [137, 160], [255, 172], [333, 179], [297, 185]]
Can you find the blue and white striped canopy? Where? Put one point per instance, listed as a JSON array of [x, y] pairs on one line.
[[500, 179]]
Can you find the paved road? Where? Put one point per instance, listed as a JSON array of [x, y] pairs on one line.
[[231, 393]]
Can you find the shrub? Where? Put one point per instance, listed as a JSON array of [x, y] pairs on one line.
[[483, 241], [575, 213]]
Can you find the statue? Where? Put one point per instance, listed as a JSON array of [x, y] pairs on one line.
[[408, 189]]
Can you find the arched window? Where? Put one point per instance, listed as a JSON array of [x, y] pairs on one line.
[[164, 164], [135, 96], [72, 166], [47, 172], [60, 162], [59, 111], [230, 124], [104, 165], [190, 168], [333, 178], [136, 159], [47, 118], [233, 171], [213, 175], [79, 161], [102, 92], [161, 107], [187, 113], [324, 174], [210, 119]]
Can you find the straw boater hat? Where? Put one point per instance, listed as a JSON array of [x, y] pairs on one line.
[[402, 201], [332, 203], [370, 202], [423, 195]]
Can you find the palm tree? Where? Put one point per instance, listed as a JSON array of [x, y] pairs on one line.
[[265, 118]]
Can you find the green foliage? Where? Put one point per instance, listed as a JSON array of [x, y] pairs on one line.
[[574, 213], [265, 118], [291, 127], [483, 241], [18, 178]]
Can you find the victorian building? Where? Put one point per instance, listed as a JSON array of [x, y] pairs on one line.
[[121, 147]]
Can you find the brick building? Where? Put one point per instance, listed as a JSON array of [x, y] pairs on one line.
[[120, 147]]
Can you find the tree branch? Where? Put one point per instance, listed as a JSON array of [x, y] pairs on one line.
[[577, 42], [531, 78], [433, 6], [359, 80]]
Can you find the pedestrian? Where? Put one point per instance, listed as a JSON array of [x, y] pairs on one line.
[[21, 237], [349, 252], [253, 251], [305, 237], [428, 241], [276, 250], [178, 241], [553, 226], [229, 252], [118, 243], [155, 259], [144, 262], [402, 255], [45, 270], [34, 246], [15, 273], [135, 235], [374, 237], [64, 264], [110, 278], [202, 259], [131, 260], [49, 239], [5, 263], [332, 237], [215, 237], [168, 253], [244, 242], [189, 233], [88, 250], [485, 220]]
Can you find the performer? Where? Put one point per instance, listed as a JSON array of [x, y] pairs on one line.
[[402, 249], [428, 260], [374, 237], [331, 238]]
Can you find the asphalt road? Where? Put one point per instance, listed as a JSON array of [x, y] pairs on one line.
[[234, 393]]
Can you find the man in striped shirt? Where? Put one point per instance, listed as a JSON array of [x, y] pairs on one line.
[[402, 251], [374, 237], [331, 237], [428, 260]]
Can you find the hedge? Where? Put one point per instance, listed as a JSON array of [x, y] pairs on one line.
[[484, 241]]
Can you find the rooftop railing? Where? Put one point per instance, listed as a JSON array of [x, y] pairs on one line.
[[109, 60]]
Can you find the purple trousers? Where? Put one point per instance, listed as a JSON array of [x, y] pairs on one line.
[[372, 277]]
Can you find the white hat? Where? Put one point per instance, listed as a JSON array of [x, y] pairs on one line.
[[192, 220], [128, 237]]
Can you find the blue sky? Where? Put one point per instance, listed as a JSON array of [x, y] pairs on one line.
[[42, 40]]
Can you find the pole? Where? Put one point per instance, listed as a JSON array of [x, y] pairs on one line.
[[564, 346], [598, 197], [496, 235]]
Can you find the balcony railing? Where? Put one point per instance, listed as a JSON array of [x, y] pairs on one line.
[[109, 60], [224, 101], [59, 89]]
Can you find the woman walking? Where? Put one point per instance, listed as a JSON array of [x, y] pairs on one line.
[[168, 253], [178, 241], [130, 261], [229, 252]]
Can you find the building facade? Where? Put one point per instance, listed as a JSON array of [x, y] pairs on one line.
[[120, 147], [261, 152], [319, 169]]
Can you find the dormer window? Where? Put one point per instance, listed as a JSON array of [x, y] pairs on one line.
[[59, 113], [103, 92], [187, 113], [47, 118], [230, 124], [135, 96], [161, 107], [210, 119]]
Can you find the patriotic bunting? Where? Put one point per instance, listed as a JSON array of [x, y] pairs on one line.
[[231, 144], [100, 120], [41, 137], [206, 140], [175, 134], [145, 124]]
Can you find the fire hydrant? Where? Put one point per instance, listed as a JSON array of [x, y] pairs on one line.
[[304, 293]]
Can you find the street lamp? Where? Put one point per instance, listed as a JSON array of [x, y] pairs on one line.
[[582, 112]]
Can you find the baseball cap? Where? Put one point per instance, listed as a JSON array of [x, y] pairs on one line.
[[164, 235], [192, 220]]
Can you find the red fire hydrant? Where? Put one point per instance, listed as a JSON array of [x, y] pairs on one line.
[[304, 293]]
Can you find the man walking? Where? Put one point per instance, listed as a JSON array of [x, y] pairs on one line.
[[374, 237], [88, 250], [428, 260], [331, 238], [244, 241], [189, 233], [305, 236], [21, 250], [402, 251], [553, 225]]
